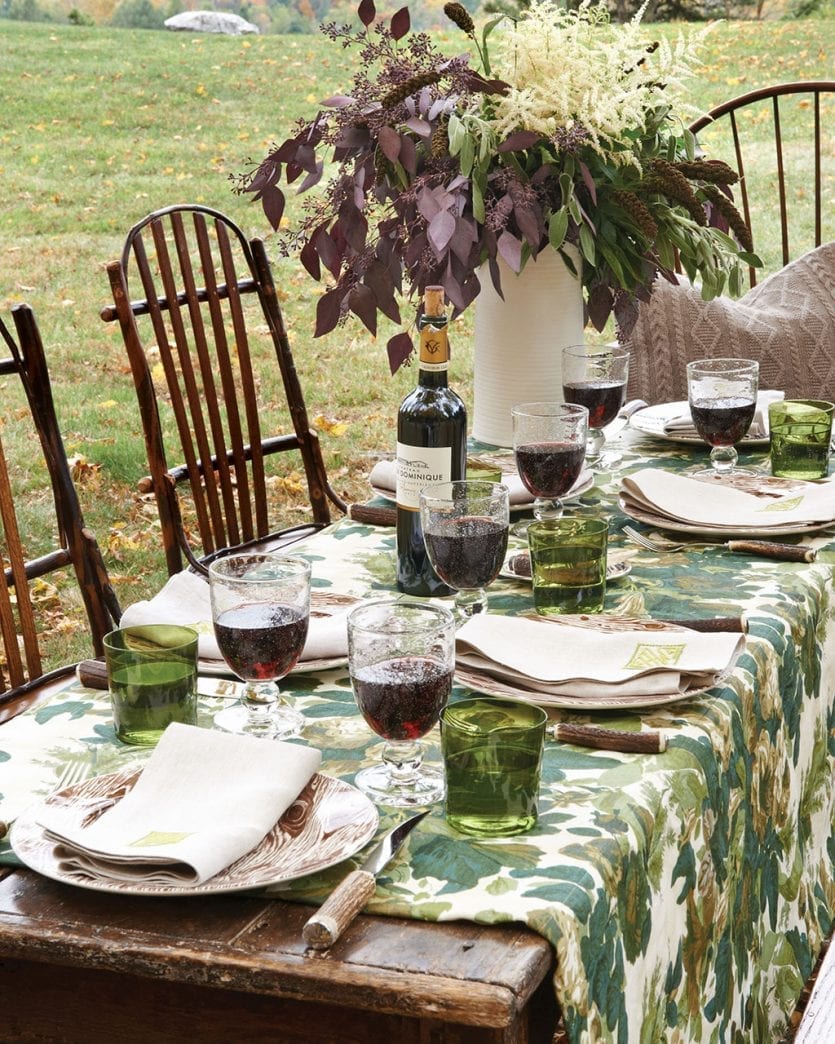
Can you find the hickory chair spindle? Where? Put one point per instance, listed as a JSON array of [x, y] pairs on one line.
[[786, 178], [182, 290], [22, 678]]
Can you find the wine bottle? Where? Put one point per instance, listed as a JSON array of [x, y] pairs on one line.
[[431, 446]]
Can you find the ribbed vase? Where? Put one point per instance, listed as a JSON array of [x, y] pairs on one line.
[[519, 341]]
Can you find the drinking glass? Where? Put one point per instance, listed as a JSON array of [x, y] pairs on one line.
[[260, 611], [568, 564], [723, 400], [595, 376], [401, 657], [492, 752], [800, 433], [549, 440], [465, 527]]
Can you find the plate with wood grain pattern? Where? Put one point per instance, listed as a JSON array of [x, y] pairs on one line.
[[328, 822]]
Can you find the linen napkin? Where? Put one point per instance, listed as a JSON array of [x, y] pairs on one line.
[[203, 800], [384, 477], [682, 423], [722, 506], [185, 600], [554, 659]]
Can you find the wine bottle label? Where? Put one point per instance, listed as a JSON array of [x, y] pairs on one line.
[[419, 466], [434, 349]]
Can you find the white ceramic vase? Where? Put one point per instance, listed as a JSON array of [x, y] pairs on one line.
[[519, 341]]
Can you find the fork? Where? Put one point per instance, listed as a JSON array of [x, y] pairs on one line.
[[73, 772], [767, 548]]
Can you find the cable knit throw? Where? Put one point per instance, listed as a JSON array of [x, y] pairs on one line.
[[787, 323]]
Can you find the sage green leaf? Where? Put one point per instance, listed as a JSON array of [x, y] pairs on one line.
[[557, 227]]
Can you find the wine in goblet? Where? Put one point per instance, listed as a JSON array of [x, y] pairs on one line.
[[401, 657], [595, 376], [549, 442], [723, 400], [260, 612], [465, 526]]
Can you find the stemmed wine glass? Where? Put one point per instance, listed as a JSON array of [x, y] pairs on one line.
[[401, 657], [723, 400], [549, 441], [595, 376], [465, 526], [260, 612]]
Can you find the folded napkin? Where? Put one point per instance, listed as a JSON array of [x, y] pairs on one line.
[[185, 600], [203, 800], [718, 505], [384, 477], [682, 423], [555, 659]]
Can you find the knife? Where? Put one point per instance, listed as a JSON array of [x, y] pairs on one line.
[[350, 896]]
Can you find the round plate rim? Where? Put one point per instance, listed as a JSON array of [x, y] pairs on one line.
[[688, 440], [26, 822]]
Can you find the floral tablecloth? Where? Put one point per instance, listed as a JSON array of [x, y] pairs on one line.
[[686, 893]]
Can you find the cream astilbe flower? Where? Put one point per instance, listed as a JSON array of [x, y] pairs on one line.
[[575, 67]]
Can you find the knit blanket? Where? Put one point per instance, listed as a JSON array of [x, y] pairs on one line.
[[786, 323]]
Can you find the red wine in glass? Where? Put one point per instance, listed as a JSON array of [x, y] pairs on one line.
[[402, 698], [602, 399], [261, 640], [723, 400], [401, 657], [550, 469], [467, 552], [722, 422]]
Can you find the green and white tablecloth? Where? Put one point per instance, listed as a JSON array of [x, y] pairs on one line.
[[686, 893]]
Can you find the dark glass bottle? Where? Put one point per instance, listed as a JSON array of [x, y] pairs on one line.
[[431, 446]]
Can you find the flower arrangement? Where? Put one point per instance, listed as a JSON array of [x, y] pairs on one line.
[[565, 136]]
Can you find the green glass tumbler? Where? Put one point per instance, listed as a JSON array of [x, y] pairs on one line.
[[492, 753], [800, 433], [152, 675], [568, 564]]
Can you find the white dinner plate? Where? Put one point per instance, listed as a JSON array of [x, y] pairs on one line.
[[573, 494], [328, 822], [720, 532], [651, 421], [219, 669]]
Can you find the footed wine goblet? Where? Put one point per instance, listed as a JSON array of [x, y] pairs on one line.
[[465, 526], [549, 441], [260, 612], [723, 400], [595, 376], [401, 657]]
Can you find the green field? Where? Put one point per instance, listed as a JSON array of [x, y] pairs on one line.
[[101, 126]]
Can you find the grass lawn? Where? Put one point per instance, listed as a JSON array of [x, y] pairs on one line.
[[101, 126]]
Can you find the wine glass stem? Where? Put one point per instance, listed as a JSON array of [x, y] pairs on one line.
[[403, 759], [545, 510], [723, 459], [260, 700], [469, 603], [594, 444]]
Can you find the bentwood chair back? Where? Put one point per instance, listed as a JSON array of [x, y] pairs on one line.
[[22, 677], [785, 184], [201, 323]]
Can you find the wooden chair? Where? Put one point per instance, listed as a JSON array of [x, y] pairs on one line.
[[202, 381], [784, 182], [22, 679]]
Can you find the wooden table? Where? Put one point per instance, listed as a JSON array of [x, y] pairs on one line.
[[79, 965]]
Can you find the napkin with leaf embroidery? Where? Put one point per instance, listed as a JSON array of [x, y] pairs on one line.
[[552, 658], [204, 799], [721, 505]]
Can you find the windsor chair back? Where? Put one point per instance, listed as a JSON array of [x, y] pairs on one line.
[[22, 677], [199, 314]]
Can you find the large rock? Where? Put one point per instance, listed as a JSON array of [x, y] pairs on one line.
[[210, 22]]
